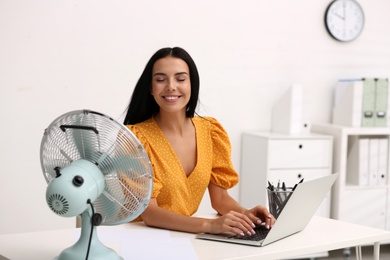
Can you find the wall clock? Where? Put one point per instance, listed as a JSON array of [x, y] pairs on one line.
[[344, 20]]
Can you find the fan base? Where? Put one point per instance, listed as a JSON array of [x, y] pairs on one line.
[[72, 256], [98, 251]]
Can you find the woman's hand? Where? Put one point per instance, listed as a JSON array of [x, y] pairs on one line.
[[235, 218], [260, 214], [241, 224], [233, 222]]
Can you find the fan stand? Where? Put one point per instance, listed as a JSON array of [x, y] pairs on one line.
[[97, 250]]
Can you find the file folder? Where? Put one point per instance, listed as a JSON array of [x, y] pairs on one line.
[[362, 102], [358, 161], [287, 112], [381, 103], [348, 98], [382, 161], [368, 104], [373, 161]]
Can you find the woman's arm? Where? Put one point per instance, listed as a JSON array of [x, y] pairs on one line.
[[231, 222], [221, 200], [158, 217]]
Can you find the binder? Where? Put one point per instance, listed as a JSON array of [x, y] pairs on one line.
[[348, 99], [373, 161], [368, 104], [381, 102], [362, 102], [382, 161], [287, 112], [358, 161]]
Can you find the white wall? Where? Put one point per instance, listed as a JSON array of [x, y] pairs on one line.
[[57, 56]]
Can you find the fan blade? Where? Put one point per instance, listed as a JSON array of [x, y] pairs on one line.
[[123, 163], [124, 198]]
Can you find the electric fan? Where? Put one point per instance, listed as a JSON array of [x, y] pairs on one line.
[[95, 167]]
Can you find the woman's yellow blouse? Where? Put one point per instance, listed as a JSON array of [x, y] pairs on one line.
[[172, 189]]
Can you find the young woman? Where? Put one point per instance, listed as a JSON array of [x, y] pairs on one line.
[[188, 153]]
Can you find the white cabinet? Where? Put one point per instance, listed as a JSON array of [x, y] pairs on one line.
[[361, 202], [280, 157]]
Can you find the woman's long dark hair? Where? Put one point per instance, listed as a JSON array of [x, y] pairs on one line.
[[142, 104]]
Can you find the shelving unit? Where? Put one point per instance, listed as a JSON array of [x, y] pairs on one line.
[[360, 204]]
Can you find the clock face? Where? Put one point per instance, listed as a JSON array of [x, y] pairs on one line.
[[344, 20]]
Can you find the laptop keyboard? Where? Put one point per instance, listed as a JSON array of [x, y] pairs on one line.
[[261, 233]]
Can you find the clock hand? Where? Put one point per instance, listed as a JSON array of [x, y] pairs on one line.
[[344, 3], [339, 16]]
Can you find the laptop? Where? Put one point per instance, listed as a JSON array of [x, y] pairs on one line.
[[296, 214]]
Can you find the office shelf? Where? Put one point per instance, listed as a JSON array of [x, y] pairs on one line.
[[361, 204]]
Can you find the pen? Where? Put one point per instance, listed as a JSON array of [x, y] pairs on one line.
[[270, 186], [298, 183]]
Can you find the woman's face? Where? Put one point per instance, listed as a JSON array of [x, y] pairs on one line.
[[171, 85]]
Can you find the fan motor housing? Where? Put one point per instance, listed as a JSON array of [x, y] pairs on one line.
[[67, 197]]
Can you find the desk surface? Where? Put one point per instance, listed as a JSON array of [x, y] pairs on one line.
[[321, 234]]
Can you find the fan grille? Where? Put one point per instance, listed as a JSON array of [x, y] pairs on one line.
[[85, 134], [58, 204]]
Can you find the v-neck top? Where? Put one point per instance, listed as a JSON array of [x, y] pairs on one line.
[[172, 189]]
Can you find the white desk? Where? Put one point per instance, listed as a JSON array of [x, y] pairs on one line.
[[321, 234]]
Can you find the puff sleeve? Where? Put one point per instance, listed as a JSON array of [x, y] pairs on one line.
[[223, 173]]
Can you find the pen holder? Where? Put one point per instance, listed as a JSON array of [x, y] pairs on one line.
[[277, 199]]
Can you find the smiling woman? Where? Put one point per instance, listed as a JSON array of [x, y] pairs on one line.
[[143, 105], [171, 86], [189, 153]]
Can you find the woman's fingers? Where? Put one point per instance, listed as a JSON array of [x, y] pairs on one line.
[[260, 214], [239, 223]]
